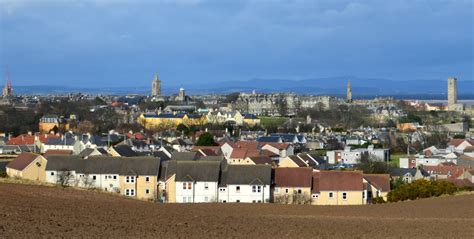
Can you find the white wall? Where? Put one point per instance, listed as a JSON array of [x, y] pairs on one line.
[[197, 194], [245, 194]]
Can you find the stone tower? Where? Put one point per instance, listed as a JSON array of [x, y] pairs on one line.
[[156, 86], [452, 93], [7, 90], [349, 92], [181, 94]]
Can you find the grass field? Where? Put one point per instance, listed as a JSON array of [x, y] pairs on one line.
[[395, 159], [272, 120]]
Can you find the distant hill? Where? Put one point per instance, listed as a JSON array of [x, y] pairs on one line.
[[361, 87]]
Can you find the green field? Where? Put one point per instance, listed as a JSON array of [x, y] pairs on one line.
[[395, 159], [272, 120]]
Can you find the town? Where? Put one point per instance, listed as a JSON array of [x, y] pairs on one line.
[[279, 148]]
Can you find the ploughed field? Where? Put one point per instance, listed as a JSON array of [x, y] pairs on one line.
[[38, 211]]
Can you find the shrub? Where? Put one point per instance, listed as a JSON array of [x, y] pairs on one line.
[[378, 200], [421, 189], [3, 174]]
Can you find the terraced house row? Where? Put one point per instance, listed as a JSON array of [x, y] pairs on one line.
[[186, 178]]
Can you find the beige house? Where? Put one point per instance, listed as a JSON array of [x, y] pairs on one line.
[[292, 185], [338, 188], [27, 166], [376, 185]]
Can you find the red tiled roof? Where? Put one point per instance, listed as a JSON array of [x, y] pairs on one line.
[[261, 160], [454, 171], [22, 161], [247, 144], [379, 181], [268, 153], [293, 177], [315, 187], [340, 180], [457, 142], [57, 152], [26, 139], [243, 153]]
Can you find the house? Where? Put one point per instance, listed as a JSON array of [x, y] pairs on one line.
[[27, 166], [182, 145], [282, 149], [353, 156], [63, 143], [48, 123], [408, 175], [337, 188], [376, 185], [132, 177], [444, 172], [154, 120], [88, 152], [270, 139], [57, 152], [291, 138], [245, 184], [292, 185], [460, 144], [262, 159], [122, 150], [302, 160], [197, 181]]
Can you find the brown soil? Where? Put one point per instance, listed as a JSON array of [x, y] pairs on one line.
[[38, 211]]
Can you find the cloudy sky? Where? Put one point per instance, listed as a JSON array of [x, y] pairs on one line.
[[124, 42]]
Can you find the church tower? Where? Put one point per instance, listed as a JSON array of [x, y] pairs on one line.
[[156, 86], [349, 92]]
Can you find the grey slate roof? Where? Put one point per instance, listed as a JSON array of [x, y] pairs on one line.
[[125, 151], [247, 175], [105, 165], [202, 171], [398, 172]]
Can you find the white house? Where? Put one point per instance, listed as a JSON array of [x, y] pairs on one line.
[[245, 184], [197, 181]]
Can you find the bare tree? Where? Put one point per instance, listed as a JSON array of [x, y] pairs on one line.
[[65, 178]]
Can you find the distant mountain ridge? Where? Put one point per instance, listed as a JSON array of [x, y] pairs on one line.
[[361, 87]]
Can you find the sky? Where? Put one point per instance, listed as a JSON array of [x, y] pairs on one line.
[[121, 43]]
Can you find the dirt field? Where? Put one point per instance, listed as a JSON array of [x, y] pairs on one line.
[[37, 211]]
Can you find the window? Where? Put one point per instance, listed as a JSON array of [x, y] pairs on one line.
[[93, 177], [147, 179], [299, 191], [52, 173], [184, 186], [115, 177], [237, 189], [130, 179], [277, 190], [147, 191], [331, 194], [344, 196], [363, 194], [259, 201], [237, 201], [253, 201], [189, 186], [259, 189], [222, 189], [286, 190], [254, 189], [206, 186], [130, 192], [224, 201], [314, 195]]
